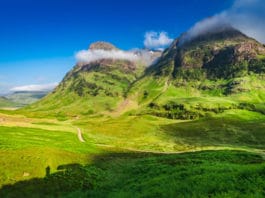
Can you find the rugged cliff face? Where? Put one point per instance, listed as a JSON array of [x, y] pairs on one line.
[[223, 54]]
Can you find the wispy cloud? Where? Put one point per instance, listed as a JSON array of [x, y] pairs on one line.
[[208, 25], [157, 40], [43, 87], [247, 16], [87, 56], [152, 41]]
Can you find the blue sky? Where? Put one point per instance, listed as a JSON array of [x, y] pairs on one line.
[[38, 39]]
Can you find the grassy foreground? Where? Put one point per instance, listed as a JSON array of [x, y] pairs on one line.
[[133, 156], [202, 174]]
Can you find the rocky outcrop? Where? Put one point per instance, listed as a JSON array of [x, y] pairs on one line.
[[100, 45]]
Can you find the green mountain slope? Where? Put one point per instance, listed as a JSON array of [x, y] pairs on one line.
[[92, 88], [6, 103], [223, 54], [207, 75], [115, 99], [23, 98]]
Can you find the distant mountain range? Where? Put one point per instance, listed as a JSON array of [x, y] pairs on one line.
[[6, 103], [21, 98]]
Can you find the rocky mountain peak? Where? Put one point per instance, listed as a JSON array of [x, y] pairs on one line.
[[101, 45], [219, 33]]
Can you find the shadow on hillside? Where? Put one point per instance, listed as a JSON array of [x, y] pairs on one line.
[[218, 132], [70, 177], [127, 174]]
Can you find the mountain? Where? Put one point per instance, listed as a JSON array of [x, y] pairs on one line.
[[205, 75], [101, 45], [197, 77], [226, 53], [97, 86], [23, 98], [6, 103], [20, 99]]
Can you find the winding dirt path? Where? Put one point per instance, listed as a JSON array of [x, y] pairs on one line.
[[166, 85], [79, 135]]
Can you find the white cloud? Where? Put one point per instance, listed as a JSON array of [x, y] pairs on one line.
[[146, 57], [247, 16], [87, 56], [211, 24], [44, 87], [156, 40]]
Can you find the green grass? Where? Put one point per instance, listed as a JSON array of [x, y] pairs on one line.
[[45, 142], [233, 128], [27, 163], [25, 137], [202, 98], [261, 56], [202, 174], [132, 132], [133, 156], [30, 150]]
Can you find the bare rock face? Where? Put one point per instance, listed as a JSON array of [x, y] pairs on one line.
[[102, 46], [246, 51]]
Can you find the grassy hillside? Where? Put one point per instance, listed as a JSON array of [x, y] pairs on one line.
[[206, 76], [51, 143], [133, 155], [177, 98], [90, 89], [5, 103]]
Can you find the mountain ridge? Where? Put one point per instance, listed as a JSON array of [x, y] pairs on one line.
[[102, 45], [211, 50], [216, 67]]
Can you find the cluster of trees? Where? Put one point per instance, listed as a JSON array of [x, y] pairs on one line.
[[228, 71], [82, 88], [190, 74], [257, 66], [173, 110]]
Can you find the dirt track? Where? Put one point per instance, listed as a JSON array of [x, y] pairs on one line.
[[79, 135]]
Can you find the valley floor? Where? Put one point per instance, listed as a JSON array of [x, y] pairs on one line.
[[133, 156]]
